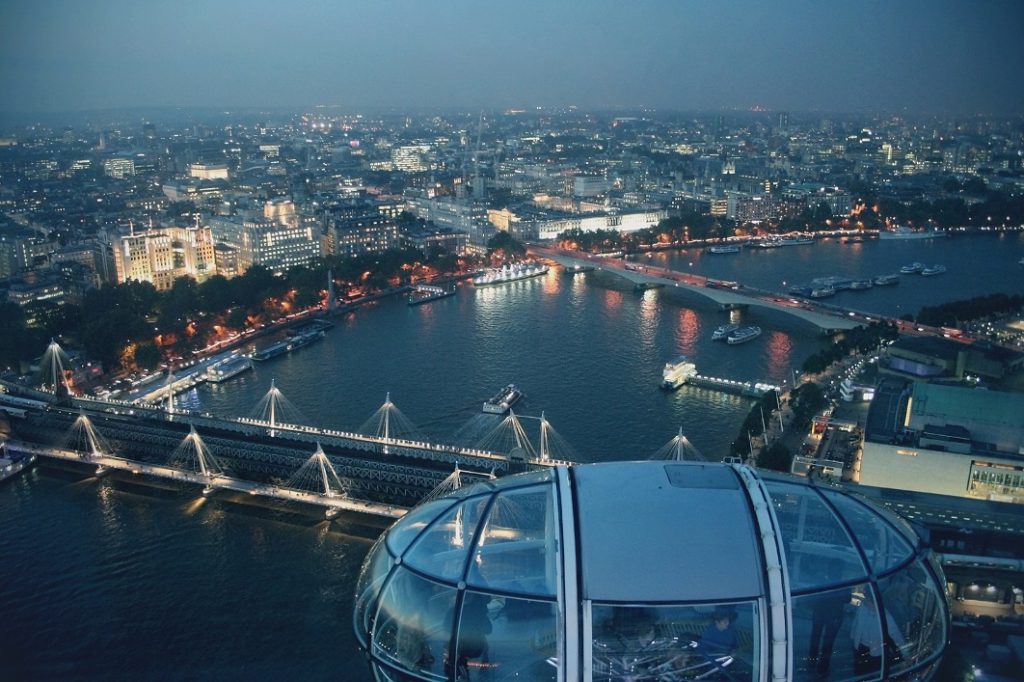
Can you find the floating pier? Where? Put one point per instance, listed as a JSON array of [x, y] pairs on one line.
[[749, 389]]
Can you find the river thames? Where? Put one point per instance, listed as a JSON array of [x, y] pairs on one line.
[[115, 581]]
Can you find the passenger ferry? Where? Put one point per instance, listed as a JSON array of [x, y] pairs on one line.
[[933, 270], [861, 284], [904, 232], [823, 291], [723, 331], [732, 248], [912, 269], [11, 463], [503, 400], [226, 369], [795, 241], [677, 372], [743, 334], [510, 272], [885, 280], [297, 341]]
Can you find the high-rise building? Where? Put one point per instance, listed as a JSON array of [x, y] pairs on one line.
[[208, 171], [359, 227], [162, 255], [119, 167], [283, 239]]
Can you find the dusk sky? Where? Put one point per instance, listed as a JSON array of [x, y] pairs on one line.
[[919, 56]]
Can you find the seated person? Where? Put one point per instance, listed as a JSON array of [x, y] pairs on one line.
[[719, 638]]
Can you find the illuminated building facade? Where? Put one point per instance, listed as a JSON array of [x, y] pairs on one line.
[[162, 255]]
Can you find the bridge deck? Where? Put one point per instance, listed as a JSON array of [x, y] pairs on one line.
[[218, 481], [823, 316]]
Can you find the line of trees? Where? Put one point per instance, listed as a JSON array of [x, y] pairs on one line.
[[953, 313], [860, 339], [133, 324]]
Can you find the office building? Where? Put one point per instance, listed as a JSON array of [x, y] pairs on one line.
[[162, 255]]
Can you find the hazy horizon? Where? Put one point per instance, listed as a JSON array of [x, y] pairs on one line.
[[913, 57]]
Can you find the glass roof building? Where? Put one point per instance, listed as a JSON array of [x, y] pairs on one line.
[[645, 571]]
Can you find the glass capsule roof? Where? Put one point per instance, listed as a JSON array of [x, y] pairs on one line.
[[686, 554]]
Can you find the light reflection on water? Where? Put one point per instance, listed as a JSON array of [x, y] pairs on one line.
[[127, 579]]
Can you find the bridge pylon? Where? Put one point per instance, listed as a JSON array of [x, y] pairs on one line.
[[679, 449], [318, 475]]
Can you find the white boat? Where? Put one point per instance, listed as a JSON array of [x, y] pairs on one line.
[[724, 331], [225, 369], [823, 291], [724, 249], [933, 270], [510, 272], [861, 284], [912, 269], [677, 372], [796, 241], [743, 334], [770, 243], [503, 400], [885, 280], [904, 232], [10, 464]]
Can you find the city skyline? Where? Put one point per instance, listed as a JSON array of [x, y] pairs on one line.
[[910, 57]]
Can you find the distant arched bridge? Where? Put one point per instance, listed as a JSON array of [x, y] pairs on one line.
[[726, 294]]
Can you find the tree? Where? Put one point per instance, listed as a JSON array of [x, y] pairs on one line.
[[504, 246], [777, 458], [148, 356], [216, 294]]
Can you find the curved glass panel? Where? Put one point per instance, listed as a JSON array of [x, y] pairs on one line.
[[676, 642], [866, 637], [915, 617], [901, 523], [517, 549], [409, 526], [822, 641], [819, 552], [375, 569], [413, 626], [883, 546], [504, 639], [442, 550]]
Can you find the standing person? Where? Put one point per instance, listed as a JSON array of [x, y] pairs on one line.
[[827, 615], [868, 642], [826, 619]]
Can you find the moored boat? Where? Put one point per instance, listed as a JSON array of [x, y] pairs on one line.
[[733, 248], [861, 284], [885, 280], [723, 331], [11, 463], [823, 291], [677, 372], [282, 347], [912, 269], [510, 272], [226, 369], [743, 334], [904, 232], [933, 270]]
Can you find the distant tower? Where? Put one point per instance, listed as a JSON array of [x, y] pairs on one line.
[[782, 122]]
